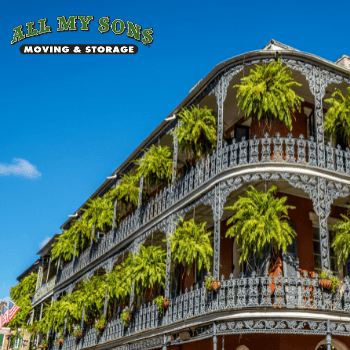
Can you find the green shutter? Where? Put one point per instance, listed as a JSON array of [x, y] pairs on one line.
[[12, 343], [1, 339]]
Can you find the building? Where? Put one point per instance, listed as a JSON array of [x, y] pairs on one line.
[[246, 312]]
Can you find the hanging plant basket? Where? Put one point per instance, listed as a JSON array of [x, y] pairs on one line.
[[126, 317], [165, 303], [211, 284], [60, 341], [79, 335], [215, 285], [325, 283]]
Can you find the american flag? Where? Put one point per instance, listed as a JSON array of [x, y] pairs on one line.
[[6, 317]]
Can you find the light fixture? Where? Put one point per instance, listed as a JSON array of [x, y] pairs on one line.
[[170, 118], [73, 216], [111, 177]]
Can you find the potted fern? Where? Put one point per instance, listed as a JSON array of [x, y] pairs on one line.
[[149, 266], [127, 191], [212, 284], [324, 280], [126, 317], [338, 115], [266, 96], [196, 132], [156, 165], [60, 339], [77, 331], [162, 303], [44, 343], [100, 324], [260, 220], [191, 243], [341, 241]]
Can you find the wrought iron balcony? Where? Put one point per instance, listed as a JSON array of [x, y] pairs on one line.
[[45, 289], [296, 154], [275, 296]]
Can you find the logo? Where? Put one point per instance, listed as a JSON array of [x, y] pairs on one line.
[[75, 23]]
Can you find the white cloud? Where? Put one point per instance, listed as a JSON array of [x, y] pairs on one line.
[[21, 167], [7, 299], [42, 243]]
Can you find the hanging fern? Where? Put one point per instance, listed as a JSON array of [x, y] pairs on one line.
[[149, 268], [259, 220], [119, 283], [156, 165], [341, 241], [20, 295], [196, 133], [127, 191], [64, 247], [266, 93], [91, 293], [190, 244], [337, 118], [54, 315], [99, 212]]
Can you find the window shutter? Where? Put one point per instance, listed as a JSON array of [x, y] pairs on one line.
[[347, 268], [1, 339], [175, 283], [259, 265], [290, 258], [12, 343]]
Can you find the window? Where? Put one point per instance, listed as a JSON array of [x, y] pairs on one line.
[[317, 252], [311, 129]]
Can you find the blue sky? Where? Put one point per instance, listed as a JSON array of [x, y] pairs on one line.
[[67, 122]]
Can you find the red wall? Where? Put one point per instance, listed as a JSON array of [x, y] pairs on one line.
[[261, 342], [299, 125]]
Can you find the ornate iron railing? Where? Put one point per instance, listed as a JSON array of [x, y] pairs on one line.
[[272, 150], [234, 294], [45, 289]]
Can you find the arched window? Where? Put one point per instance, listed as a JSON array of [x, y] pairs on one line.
[[336, 345]]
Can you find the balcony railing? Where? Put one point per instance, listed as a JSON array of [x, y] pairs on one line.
[[234, 295], [45, 289], [266, 150]]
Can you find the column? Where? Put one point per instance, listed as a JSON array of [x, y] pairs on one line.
[[39, 279], [136, 248], [329, 335], [106, 304], [217, 212], [82, 319], [322, 198], [114, 213], [92, 235], [41, 311], [219, 94], [175, 155], [140, 193], [171, 229], [75, 249], [48, 270], [215, 338]]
